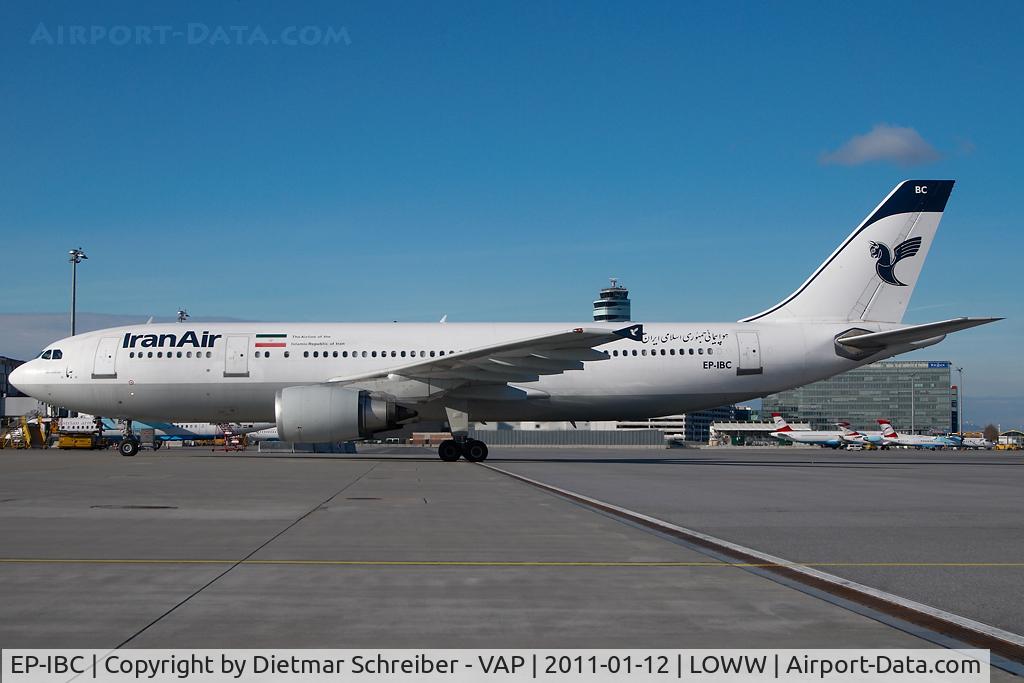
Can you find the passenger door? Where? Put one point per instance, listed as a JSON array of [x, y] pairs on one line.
[[236, 356], [750, 354], [105, 363]]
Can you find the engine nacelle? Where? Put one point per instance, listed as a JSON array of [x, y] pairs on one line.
[[322, 413]]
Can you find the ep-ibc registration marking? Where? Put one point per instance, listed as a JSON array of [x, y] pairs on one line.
[[464, 666]]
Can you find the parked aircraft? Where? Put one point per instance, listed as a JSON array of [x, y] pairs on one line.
[[162, 431], [863, 438], [337, 382], [892, 438], [783, 432]]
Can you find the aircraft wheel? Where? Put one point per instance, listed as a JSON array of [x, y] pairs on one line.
[[157, 444], [449, 451], [128, 447], [474, 451]]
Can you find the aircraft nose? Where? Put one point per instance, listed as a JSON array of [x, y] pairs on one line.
[[20, 378]]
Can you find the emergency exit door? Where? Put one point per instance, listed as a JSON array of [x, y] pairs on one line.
[[750, 354], [236, 356]]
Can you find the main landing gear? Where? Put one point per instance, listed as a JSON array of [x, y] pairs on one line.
[[129, 445], [472, 450]]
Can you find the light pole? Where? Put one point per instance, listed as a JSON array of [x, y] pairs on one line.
[[960, 403], [76, 257]]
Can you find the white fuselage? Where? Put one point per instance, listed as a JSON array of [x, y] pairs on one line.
[[230, 372], [822, 438], [919, 441], [177, 431]]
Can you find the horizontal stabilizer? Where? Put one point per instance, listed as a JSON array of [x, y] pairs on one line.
[[914, 333]]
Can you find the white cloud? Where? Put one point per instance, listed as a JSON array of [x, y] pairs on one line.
[[899, 145]]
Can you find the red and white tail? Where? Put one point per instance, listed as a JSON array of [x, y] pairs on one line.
[[780, 424], [847, 431], [887, 429]]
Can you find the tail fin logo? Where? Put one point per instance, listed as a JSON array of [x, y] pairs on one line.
[[887, 260]]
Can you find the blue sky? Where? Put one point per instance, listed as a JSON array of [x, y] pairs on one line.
[[500, 161]]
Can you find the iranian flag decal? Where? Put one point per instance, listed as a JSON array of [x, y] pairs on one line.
[[270, 341]]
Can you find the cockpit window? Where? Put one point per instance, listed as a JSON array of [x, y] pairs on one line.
[[46, 355], [57, 354]]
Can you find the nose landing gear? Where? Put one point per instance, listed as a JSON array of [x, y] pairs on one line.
[[472, 450]]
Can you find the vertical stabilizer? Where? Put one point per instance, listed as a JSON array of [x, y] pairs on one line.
[[872, 274], [780, 423]]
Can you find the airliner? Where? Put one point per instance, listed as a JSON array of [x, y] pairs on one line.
[[892, 438], [854, 436], [329, 382], [783, 432], [162, 431]]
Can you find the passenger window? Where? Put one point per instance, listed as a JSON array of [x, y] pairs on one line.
[[305, 354], [431, 354], [423, 354], [209, 354], [179, 354], [700, 351], [663, 352], [286, 354], [403, 354], [46, 355], [131, 355], [364, 354], [710, 351], [344, 354], [266, 354], [691, 352], [159, 354], [335, 354], [441, 352], [373, 354], [671, 352]]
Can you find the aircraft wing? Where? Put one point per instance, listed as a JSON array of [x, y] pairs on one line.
[[522, 360], [914, 333]]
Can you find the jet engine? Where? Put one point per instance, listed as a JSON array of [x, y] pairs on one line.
[[322, 413]]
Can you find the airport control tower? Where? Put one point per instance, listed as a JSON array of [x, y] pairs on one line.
[[613, 306]]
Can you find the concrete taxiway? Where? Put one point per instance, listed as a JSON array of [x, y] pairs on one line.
[[394, 548]]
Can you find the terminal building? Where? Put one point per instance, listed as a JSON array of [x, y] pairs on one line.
[[695, 426], [916, 396]]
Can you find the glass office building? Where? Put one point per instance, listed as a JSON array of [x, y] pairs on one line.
[[914, 395]]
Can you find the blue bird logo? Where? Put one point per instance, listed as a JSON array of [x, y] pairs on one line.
[[887, 260]]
